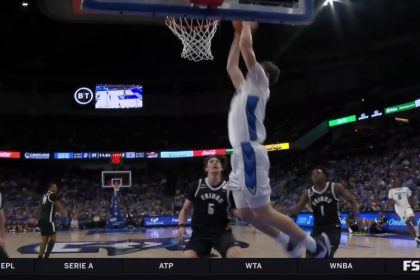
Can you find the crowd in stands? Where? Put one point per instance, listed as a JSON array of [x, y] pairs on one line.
[[367, 175], [159, 188], [87, 203]]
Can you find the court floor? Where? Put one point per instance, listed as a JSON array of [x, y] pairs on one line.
[[160, 243]]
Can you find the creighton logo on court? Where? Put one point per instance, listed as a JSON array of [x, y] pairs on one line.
[[113, 248]]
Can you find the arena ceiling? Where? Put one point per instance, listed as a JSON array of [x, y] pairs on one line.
[[354, 45]]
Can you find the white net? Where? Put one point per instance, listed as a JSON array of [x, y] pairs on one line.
[[116, 184], [195, 35]]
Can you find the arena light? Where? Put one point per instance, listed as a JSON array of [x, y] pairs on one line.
[[402, 120], [328, 2], [25, 4], [400, 108], [342, 121], [277, 147]]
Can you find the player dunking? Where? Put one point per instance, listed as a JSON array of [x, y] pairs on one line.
[[323, 198], [403, 202], [46, 221], [212, 203], [3, 254], [249, 179]]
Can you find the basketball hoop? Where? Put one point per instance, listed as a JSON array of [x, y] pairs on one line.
[[116, 184], [195, 34]]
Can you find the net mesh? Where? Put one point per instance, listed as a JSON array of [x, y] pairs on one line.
[[196, 36], [116, 184]]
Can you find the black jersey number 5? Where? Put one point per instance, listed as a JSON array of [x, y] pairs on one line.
[[210, 209]]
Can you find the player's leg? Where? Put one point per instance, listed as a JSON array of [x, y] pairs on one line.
[[43, 246], [51, 240], [3, 254], [373, 228], [247, 215], [197, 247], [285, 224], [255, 167], [280, 227], [415, 226], [412, 219], [334, 234], [410, 228], [407, 216], [50, 246], [227, 245], [238, 179]]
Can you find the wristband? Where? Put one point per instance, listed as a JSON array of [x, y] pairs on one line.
[[182, 225]]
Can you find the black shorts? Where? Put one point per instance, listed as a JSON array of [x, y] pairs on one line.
[[3, 254], [355, 228], [375, 229], [47, 228], [333, 232], [202, 243]]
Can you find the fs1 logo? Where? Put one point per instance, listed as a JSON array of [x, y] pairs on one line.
[[83, 96], [411, 265]]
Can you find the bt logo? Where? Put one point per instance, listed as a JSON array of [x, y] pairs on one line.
[[83, 96]]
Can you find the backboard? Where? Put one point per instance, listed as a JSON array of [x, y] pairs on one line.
[[295, 12], [110, 178]]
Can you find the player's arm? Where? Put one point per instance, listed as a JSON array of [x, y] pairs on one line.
[[232, 66], [340, 191], [245, 44], [185, 212], [232, 210], [182, 218], [60, 208], [411, 199], [303, 200]]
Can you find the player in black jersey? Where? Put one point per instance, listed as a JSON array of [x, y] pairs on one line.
[[3, 253], [379, 224], [212, 205], [323, 198], [46, 220]]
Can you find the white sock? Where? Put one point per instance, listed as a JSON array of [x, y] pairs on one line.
[[309, 243], [416, 228], [282, 239]]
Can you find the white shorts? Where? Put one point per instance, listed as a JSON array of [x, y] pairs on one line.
[[249, 179], [404, 213]]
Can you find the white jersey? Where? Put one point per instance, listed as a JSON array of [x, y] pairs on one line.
[[400, 195], [247, 109]]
